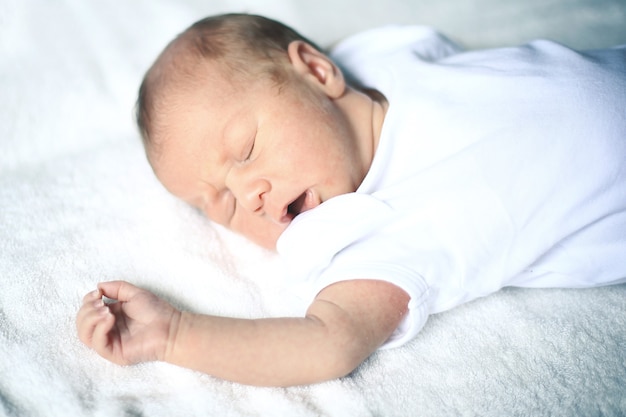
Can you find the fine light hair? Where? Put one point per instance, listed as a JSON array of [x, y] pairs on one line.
[[246, 47]]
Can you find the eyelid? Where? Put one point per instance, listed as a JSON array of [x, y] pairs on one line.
[[249, 155]]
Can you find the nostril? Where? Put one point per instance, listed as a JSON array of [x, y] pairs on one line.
[[256, 201], [259, 208]]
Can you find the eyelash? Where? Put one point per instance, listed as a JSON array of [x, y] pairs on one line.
[[251, 150]]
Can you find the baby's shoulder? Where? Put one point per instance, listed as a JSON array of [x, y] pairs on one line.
[[423, 41]]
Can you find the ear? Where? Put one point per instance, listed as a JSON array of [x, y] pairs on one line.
[[317, 68]]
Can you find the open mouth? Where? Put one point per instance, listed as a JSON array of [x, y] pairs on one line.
[[298, 205], [305, 201]]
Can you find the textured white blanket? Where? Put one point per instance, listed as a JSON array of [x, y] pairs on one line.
[[79, 204]]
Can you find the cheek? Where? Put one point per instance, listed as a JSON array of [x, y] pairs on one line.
[[219, 207]]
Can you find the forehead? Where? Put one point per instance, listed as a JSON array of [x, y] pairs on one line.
[[198, 124]]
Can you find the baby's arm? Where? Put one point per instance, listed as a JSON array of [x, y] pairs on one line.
[[346, 323]]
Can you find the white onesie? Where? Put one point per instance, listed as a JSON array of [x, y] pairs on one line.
[[494, 168]]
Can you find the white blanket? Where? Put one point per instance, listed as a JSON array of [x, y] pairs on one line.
[[79, 204]]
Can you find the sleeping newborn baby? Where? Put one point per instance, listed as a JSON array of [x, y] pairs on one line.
[[433, 177]]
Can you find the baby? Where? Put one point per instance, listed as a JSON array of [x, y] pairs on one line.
[[438, 177]]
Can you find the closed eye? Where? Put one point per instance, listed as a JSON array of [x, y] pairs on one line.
[[250, 149]]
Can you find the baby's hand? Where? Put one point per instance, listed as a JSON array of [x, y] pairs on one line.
[[135, 328]]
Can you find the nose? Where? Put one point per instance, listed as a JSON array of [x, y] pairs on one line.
[[250, 193]]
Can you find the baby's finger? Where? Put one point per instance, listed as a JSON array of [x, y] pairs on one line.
[[92, 295], [89, 304], [119, 290], [88, 318], [101, 338], [90, 301]]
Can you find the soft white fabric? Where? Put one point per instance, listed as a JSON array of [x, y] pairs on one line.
[[494, 168], [79, 204]]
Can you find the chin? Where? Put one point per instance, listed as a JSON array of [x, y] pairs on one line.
[[266, 237]]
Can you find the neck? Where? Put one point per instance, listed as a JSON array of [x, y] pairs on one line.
[[365, 111]]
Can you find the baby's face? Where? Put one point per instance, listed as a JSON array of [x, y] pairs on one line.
[[254, 157]]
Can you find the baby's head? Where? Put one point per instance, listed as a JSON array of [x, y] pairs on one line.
[[245, 46], [250, 122]]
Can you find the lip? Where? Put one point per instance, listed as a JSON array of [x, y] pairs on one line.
[[304, 202]]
